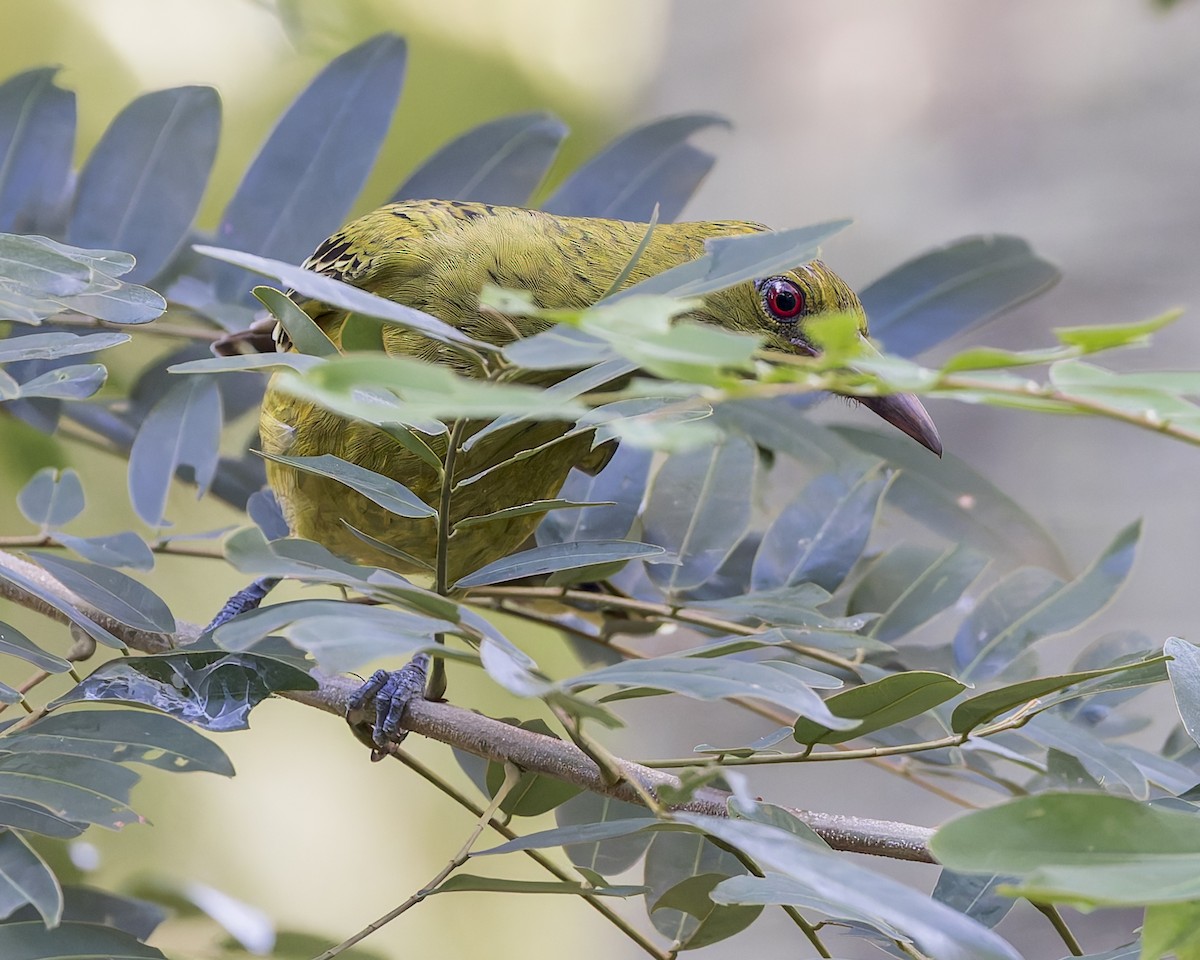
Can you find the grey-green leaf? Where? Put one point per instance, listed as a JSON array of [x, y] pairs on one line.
[[110, 591], [25, 878], [390, 494], [51, 499], [554, 557], [37, 136]]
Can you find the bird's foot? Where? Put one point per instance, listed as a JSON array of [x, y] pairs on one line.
[[392, 691], [248, 598]]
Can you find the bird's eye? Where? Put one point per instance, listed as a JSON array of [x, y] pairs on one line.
[[784, 299]]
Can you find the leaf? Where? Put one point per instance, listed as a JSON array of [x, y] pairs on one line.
[[56, 344], [316, 160], [674, 859], [303, 333], [390, 494], [37, 135], [985, 707], [1172, 928], [605, 857], [777, 889], [652, 164], [74, 382], [1107, 765], [622, 481], [534, 506], [953, 500], [342, 295], [704, 922], [912, 584], [1031, 604], [465, 882], [1106, 336], [1184, 671], [558, 556], [575, 834], [32, 817], [881, 704], [52, 598], [25, 878], [820, 535], [51, 499], [212, 690], [1090, 849], [948, 290], [111, 592], [32, 941], [974, 895], [123, 736], [76, 788], [138, 918], [715, 679], [141, 187], [183, 429], [14, 643], [125, 549], [732, 260], [499, 162], [699, 508], [936, 930]]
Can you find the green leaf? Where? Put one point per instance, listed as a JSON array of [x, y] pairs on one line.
[[605, 857], [121, 597], [15, 644], [31, 940], [35, 818], [912, 584], [699, 509], [122, 736], [1031, 604], [316, 160], [535, 506], [974, 895], [246, 363], [704, 922], [533, 794], [1094, 850], [76, 788], [985, 707], [575, 834], [37, 133], [1171, 928], [183, 429], [953, 500], [1104, 762], [51, 499], [651, 165], [622, 482], [303, 333], [777, 889], [1184, 670], [715, 679], [52, 598], [881, 704], [1091, 339], [342, 295], [53, 346], [987, 358], [499, 162], [558, 556], [465, 882], [141, 187], [732, 260], [390, 494], [820, 535], [936, 930], [25, 878], [945, 291]]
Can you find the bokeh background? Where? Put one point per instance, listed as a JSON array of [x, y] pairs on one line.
[[1075, 124]]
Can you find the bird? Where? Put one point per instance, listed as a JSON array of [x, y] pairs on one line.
[[437, 256]]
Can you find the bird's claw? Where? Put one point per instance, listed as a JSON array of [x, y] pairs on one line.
[[391, 691], [248, 598]]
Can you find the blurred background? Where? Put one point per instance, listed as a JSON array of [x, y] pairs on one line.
[[1074, 124]]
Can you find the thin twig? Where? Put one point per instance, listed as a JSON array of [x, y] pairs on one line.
[[511, 777]]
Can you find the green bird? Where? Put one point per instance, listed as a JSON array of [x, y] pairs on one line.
[[436, 256]]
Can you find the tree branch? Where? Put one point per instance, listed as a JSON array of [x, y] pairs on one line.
[[492, 739]]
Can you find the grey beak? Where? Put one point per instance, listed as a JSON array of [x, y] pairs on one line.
[[905, 412]]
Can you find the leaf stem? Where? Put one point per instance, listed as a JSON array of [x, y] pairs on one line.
[[1050, 912]]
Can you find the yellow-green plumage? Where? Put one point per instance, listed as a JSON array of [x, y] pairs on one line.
[[436, 256]]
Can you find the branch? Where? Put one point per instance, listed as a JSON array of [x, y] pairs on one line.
[[493, 740]]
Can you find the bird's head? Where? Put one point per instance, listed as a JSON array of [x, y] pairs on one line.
[[778, 308]]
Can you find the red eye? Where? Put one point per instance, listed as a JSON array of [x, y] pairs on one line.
[[784, 300]]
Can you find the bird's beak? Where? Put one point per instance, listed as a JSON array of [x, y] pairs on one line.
[[905, 412]]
